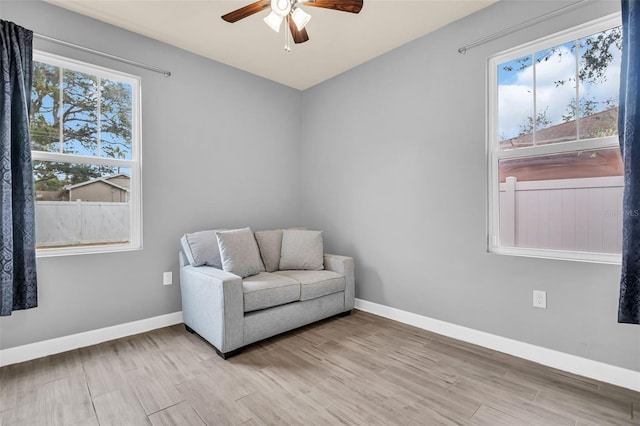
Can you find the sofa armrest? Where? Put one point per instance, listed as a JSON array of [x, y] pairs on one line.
[[343, 265], [212, 305]]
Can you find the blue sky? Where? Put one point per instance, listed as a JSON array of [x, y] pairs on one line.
[[515, 87]]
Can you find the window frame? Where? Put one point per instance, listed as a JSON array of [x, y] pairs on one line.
[[494, 155], [134, 164]]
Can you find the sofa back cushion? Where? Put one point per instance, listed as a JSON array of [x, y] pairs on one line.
[[301, 250], [201, 248], [270, 244], [239, 252]]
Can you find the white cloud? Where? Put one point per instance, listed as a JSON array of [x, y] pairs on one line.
[[515, 101]]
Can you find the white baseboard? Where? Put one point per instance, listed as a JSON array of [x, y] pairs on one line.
[[66, 343], [629, 379]]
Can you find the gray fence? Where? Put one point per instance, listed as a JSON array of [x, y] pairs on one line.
[[65, 223]]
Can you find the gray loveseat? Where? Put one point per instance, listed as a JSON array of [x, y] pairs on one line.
[[230, 311]]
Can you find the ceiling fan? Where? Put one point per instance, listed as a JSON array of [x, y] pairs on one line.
[[291, 11]]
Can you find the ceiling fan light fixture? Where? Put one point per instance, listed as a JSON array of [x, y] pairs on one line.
[[297, 19], [281, 7], [300, 18], [274, 21]]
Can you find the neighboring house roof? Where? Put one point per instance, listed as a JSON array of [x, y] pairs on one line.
[[590, 126], [568, 165], [105, 179]]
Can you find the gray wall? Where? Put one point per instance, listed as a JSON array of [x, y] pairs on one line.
[[207, 162], [393, 154]]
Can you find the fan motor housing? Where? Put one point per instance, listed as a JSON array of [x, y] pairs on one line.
[[281, 7]]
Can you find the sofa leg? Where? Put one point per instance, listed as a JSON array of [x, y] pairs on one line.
[[344, 314], [227, 355], [189, 329]]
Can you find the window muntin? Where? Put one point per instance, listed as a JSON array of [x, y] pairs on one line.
[[569, 82], [85, 148]]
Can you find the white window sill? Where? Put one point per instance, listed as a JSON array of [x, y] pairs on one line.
[[575, 256], [72, 251]]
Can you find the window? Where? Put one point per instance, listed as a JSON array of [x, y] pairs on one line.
[[85, 145], [556, 177]]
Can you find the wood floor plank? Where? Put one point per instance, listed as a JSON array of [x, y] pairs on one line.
[[586, 406], [32, 413], [106, 373], [534, 414], [58, 366], [289, 410], [355, 370], [490, 387], [423, 367], [67, 401], [154, 388], [180, 414], [487, 416], [550, 378], [19, 383], [119, 408], [356, 409], [92, 421], [430, 395], [215, 400]]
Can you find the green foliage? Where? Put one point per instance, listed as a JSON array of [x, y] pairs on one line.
[[93, 114], [599, 55], [594, 60], [542, 121], [54, 176]]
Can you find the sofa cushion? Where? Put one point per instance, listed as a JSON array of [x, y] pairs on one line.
[[301, 250], [316, 283], [201, 248], [270, 244], [239, 252], [266, 290]]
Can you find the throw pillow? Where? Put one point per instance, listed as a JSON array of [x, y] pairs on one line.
[[270, 244], [201, 248], [239, 252], [301, 250]]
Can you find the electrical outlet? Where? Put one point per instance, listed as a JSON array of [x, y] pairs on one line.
[[540, 299], [167, 278]]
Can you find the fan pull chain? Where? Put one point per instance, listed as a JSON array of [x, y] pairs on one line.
[[287, 43]]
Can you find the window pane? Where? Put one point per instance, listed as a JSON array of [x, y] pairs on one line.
[[80, 205], [599, 76], [551, 98], [115, 119], [515, 103], [570, 201], [45, 107], [555, 94], [80, 112]]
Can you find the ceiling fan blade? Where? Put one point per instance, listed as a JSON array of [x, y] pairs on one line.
[[298, 36], [248, 10], [353, 6]]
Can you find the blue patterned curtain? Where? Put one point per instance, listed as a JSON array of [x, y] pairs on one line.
[[629, 307], [17, 241]]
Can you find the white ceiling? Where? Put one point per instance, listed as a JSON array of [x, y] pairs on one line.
[[337, 42]]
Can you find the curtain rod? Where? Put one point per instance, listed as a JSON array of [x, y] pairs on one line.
[[522, 25], [104, 54]]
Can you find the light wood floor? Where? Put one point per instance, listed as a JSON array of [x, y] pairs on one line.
[[360, 370]]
